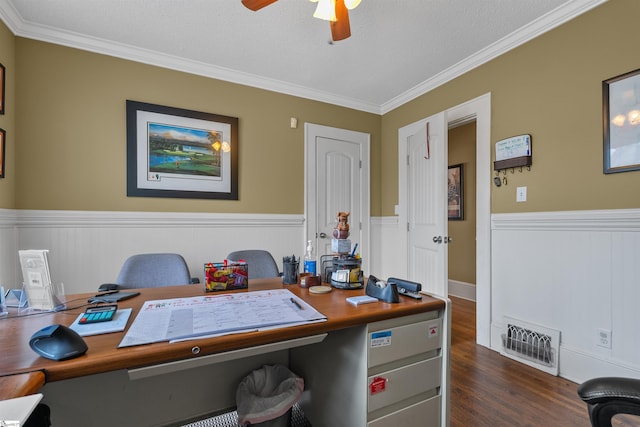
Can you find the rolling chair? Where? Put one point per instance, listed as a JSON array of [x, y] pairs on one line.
[[610, 396], [261, 263], [154, 270]]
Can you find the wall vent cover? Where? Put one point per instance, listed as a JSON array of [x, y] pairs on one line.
[[533, 345]]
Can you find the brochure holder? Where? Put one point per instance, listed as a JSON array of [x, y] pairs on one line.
[[41, 293]]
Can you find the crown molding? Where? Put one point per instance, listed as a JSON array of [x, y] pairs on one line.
[[551, 20]]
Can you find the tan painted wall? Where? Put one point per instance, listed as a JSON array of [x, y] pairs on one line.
[[7, 120], [462, 249], [71, 125], [551, 88]]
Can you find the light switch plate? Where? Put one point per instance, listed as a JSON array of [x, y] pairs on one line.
[[521, 194]]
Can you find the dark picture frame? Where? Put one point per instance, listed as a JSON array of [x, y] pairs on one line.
[[179, 153], [2, 85], [3, 140], [455, 192], [621, 122]]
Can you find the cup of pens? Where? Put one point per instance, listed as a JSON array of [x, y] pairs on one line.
[[290, 270]]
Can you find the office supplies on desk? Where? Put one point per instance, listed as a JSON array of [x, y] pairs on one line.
[[407, 288], [58, 342], [42, 294], [387, 292], [118, 324], [361, 299], [16, 298], [113, 297], [199, 316]]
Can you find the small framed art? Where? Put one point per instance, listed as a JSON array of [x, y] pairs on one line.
[[455, 186]]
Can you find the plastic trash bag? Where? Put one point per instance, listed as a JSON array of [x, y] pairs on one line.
[[266, 396]]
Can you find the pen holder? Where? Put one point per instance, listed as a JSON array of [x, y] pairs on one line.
[[290, 272]]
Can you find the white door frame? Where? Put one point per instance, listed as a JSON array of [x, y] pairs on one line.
[[311, 133], [478, 109]]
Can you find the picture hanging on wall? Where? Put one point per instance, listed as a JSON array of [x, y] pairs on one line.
[[2, 72], [621, 122], [3, 135], [455, 205], [172, 152]]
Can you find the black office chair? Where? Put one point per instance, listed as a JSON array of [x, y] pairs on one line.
[[154, 270], [260, 262], [607, 397]]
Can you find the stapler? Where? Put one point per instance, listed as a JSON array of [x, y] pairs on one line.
[[387, 292], [407, 288]]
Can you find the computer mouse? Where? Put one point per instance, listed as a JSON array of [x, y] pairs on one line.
[[58, 342], [108, 287]]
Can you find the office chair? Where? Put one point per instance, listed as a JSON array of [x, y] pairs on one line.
[[610, 396], [260, 262], [154, 270]]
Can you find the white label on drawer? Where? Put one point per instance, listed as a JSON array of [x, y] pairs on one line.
[[380, 339], [433, 330]]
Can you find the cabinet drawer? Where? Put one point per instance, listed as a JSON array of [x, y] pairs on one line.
[[399, 384], [425, 414], [387, 345]]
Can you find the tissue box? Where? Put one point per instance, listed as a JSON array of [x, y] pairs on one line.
[[340, 246], [225, 276]]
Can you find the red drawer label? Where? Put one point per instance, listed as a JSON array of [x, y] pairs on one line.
[[378, 385]]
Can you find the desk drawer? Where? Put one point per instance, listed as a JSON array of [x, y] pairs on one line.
[[388, 345], [425, 413], [399, 384]]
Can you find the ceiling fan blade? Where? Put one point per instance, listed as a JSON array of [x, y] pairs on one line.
[[257, 4], [340, 29]]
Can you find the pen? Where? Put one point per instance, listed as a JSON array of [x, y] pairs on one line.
[[296, 303], [353, 252]]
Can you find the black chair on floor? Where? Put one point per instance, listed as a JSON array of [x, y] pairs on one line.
[[154, 270], [607, 397], [260, 262]]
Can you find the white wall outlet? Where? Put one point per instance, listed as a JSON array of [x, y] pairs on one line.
[[603, 338], [521, 194]]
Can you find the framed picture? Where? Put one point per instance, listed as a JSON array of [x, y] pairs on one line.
[[172, 152], [3, 135], [2, 88], [621, 122], [455, 199]]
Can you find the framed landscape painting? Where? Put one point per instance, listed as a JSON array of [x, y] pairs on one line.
[[173, 152]]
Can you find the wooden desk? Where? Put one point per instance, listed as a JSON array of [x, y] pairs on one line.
[[104, 361]]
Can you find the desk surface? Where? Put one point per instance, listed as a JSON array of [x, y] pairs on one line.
[[104, 356]]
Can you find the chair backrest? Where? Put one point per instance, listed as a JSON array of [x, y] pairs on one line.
[[260, 262], [154, 270]]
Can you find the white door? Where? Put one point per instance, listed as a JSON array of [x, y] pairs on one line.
[[426, 154], [337, 180]]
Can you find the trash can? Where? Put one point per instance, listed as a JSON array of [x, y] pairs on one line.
[[265, 397]]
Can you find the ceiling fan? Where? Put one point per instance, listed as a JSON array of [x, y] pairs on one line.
[[334, 11]]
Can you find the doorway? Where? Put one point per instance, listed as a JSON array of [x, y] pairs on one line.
[[336, 180], [478, 109]]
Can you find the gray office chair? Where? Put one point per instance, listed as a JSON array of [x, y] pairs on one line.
[[260, 262], [154, 270]]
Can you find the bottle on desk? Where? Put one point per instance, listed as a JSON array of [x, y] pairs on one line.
[[309, 260]]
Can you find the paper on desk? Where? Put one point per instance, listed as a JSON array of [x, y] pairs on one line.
[[209, 315]]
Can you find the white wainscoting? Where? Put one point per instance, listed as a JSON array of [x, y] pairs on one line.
[[577, 272], [88, 248]]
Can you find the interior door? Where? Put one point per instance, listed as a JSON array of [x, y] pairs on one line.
[[337, 181], [426, 148]]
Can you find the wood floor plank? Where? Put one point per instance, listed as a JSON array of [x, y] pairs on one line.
[[488, 389]]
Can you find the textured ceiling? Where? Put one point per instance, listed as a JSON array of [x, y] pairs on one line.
[[398, 48]]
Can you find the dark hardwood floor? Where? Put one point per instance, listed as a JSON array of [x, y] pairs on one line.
[[488, 389]]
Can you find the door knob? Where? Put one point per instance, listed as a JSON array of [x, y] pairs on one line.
[[437, 239], [448, 239], [323, 235]]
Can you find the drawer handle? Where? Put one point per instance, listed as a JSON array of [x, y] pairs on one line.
[[378, 385]]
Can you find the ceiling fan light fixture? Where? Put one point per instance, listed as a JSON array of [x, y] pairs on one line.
[[351, 4], [326, 10]]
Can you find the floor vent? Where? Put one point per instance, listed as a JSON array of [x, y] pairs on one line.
[[530, 344]]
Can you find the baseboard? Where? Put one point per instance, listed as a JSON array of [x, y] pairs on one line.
[[462, 290]]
